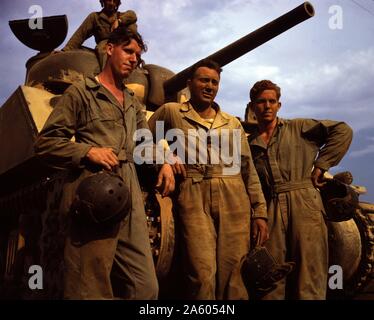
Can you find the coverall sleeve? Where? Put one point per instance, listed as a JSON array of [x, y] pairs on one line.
[[333, 137], [129, 19], [159, 115], [251, 180], [54, 145], [84, 32], [158, 151], [141, 119]]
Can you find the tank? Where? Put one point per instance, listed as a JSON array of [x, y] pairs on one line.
[[29, 189]]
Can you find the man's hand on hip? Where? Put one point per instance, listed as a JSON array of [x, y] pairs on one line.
[[317, 178]]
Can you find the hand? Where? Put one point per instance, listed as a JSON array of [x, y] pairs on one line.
[[260, 229], [177, 165], [166, 180], [104, 157], [114, 25], [317, 178]]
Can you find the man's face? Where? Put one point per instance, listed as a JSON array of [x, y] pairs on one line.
[[204, 86], [266, 106], [110, 5], [123, 59]]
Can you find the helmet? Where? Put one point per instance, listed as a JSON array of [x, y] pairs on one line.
[[102, 198], [340, 200], [345, 177], [260, 271]]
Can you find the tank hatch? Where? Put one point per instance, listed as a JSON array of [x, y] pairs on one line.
[[50, 36]]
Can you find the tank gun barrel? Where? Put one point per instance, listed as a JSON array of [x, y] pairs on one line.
[[247, 43]]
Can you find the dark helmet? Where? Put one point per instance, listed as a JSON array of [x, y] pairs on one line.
[[102, 198], [261, 272], [345, 177], [340, 200]]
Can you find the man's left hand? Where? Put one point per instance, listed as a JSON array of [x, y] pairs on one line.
[[317, 178], [166, 180]]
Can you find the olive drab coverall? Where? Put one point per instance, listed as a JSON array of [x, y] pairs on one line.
[[98, 24], [295, 211], [90, 113], [214, 207]]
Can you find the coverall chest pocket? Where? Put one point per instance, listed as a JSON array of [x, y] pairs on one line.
[[290, 152], [104, 115]]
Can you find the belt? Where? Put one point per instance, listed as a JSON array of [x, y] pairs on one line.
[[125, 156], [209, 172], [292, 185]]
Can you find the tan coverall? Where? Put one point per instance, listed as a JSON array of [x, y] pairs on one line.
[[111, 263], [214, 208], [295, 211], [98, 24]]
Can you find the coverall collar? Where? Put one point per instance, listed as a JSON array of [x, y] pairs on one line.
[[100, 90], [257, 140], [190, 113], [103, 16]]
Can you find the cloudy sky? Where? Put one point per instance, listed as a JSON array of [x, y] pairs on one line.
[[325, 66]]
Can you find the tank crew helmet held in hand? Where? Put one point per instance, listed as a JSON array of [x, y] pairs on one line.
[[102, 198], [261, 272], [340, 200]]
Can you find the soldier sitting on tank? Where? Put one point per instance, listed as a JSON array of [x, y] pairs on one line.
[[100, 25], [291, 157], [215, 203], [102, 114]]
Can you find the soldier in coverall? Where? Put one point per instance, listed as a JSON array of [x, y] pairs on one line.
[[214, 205], [100, 25], [102, 115], [291, 157]]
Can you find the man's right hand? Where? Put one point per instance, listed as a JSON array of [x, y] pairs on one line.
[[103, 156], [260, 231]]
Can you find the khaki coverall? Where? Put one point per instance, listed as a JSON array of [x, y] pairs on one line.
[[214, 208], [119, 262], [295, 211], [98, 24]]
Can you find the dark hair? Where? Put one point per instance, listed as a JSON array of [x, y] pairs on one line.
[[261, 86], [123, 35], [211, 64], [118, 3]]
